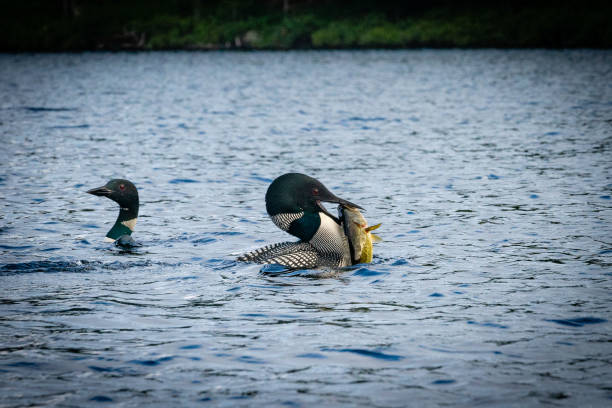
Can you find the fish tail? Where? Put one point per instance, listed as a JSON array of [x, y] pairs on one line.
[[373, 227]]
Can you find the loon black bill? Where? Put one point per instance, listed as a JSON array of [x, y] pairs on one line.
[[100, 191], [331, 198], [335, 200]]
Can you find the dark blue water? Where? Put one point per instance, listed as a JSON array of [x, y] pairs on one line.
[[491, 172]]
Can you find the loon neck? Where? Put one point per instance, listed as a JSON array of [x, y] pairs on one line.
[[306, 226], [124, 225]]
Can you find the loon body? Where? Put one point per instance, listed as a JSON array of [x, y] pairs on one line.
[[293, 202], [124, 193]]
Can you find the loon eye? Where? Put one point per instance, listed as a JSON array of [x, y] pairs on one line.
[[122, 187], [315, 191]]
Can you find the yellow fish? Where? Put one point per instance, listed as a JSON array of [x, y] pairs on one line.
[[359, 234]]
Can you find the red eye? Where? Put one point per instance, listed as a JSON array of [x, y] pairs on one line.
[[122, 187], [315, 191]]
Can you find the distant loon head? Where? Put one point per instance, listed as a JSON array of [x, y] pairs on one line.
[[293, 201], [124, 193]]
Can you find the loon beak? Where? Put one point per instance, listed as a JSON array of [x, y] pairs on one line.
[[100, 191], [333, 199], [337, 200]]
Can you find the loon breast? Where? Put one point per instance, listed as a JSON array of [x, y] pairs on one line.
[[331, 242]]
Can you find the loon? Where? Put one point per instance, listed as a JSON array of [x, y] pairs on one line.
[[124, 193], [293, 201]]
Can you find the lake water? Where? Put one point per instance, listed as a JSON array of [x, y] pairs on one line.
[[491, 172]]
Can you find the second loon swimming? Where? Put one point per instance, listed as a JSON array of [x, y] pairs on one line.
[[124, 193], [293, 201]]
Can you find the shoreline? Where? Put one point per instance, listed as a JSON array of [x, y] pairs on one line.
[[133, 27], [289, 50]]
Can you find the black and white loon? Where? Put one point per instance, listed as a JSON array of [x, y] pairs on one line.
[[293, 201], [124, 193]]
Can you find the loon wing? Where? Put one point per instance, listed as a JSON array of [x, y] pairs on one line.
[[290, 254], [296, 260]]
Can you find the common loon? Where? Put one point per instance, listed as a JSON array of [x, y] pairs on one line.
[[293, 201], [124, 193]]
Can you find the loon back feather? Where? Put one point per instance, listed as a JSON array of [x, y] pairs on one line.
[[262, 255]]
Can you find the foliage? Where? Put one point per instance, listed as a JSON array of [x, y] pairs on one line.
[[190, 24]]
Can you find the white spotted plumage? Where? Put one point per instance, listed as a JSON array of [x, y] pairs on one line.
[[331, 243], [284, 220], [295, 260], [328, 246], [270, 252]]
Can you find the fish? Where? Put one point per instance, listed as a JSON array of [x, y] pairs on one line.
[[359, 234]]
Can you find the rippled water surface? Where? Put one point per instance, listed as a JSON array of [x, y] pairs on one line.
[[489, 170]]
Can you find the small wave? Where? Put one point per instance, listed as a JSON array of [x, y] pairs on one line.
[[101, 398], [92, 226], [45, 109], [47, 267], [24, 364], [80, 266], [250, 360], [495, 325], [368, 353], [104, 369], [15, 247], [280, 270], [311, 355], [578, 322], [191, 347], [367, 272], [229, 112], [181, 180], [273, 269], [204, 240], [83, 126], [262, 179], [362, 119], [152, 362], [443, 382]]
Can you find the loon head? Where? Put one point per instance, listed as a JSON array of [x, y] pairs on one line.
[[124, 193], [293, 201]]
